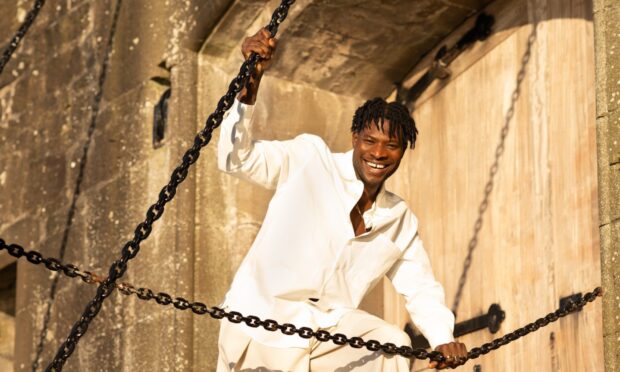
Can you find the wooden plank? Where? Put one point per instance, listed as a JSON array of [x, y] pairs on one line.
[[539, 239]]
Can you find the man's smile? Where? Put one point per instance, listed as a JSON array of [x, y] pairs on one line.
[[376, 165], [374, 169]]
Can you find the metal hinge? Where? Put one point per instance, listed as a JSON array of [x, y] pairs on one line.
[[491, 320]]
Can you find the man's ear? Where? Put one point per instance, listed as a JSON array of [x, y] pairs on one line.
[[353, 138]]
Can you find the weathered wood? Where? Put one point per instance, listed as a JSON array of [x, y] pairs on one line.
[[539, 239]]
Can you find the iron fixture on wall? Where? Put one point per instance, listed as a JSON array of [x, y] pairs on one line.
[[444, 57]]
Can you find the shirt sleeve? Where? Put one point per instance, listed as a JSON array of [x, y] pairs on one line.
[[266, 163], [413, 277]]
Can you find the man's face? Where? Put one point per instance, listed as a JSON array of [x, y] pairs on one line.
[[376, 156]]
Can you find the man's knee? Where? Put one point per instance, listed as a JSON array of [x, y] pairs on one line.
[[390, 333]]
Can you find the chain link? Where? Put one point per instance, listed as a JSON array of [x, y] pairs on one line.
[[155, 211], [488, 188], [21, 32], [200, 308]]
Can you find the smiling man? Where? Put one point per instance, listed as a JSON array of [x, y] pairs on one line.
[[331, 232]]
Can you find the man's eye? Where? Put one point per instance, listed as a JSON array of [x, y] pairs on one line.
[[367, 140]]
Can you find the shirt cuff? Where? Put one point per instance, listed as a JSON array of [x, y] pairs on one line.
[[439, 336]]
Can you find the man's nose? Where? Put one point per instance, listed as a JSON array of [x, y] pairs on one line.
[[379, 151]]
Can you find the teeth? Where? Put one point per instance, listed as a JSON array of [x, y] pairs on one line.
[[377, 166]]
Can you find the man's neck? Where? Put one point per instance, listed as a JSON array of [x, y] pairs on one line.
[[369, 195]]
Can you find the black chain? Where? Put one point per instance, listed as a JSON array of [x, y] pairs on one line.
[[488, 188], [155, 211], [21, 32], [563, 311], [200, 308]]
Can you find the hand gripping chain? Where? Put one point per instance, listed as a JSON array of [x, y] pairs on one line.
[[200, 308], [21, 32], [155, 211]]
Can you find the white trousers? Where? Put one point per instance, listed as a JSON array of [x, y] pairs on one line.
[[239, 353]]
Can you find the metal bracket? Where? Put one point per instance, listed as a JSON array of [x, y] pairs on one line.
[[443, 58], [160, 119], [160, 111], [565, 301], [491, 320]]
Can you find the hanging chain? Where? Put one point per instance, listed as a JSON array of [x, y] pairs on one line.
[[200, 308], [488, 188], [155, 211], [21, 32]]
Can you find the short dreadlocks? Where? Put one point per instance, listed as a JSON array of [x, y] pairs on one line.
[[402, 125]]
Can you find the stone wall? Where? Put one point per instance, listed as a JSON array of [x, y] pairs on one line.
[[47, 98], [607, 39]]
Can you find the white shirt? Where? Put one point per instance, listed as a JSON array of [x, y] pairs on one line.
[[306, 247]]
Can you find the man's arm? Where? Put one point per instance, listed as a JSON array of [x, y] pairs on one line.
[[266, 163], [413, 277]]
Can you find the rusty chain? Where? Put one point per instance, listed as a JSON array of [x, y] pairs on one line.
[[200, 308], [21, 32], [156, 210]]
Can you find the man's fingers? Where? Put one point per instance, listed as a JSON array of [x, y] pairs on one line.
[[264, 33], [255, 47], [462, 353]]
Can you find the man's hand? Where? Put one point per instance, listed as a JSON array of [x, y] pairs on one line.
[[455, 353], [264, 45]]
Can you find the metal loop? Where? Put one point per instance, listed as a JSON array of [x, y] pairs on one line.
[[217, 313], [15, 250], [305, 332], [252, 321], [270, 325], [34, 257], [181, 303], [163, 298], [356, 342], [389, 348], [288, 329], [339, 339], [145, 294]]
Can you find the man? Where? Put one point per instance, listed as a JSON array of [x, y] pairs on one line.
[[331, 233]]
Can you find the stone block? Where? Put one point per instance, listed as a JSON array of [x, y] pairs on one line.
[[612, 51], [56, 28], [6, 260], [7, 340], [24, 231], [7, 290], [123, 135], [8, 22], [613, 127], [610, 255], [12, 182], [233, 27]]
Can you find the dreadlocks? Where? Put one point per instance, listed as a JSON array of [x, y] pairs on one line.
[[377, 110]]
